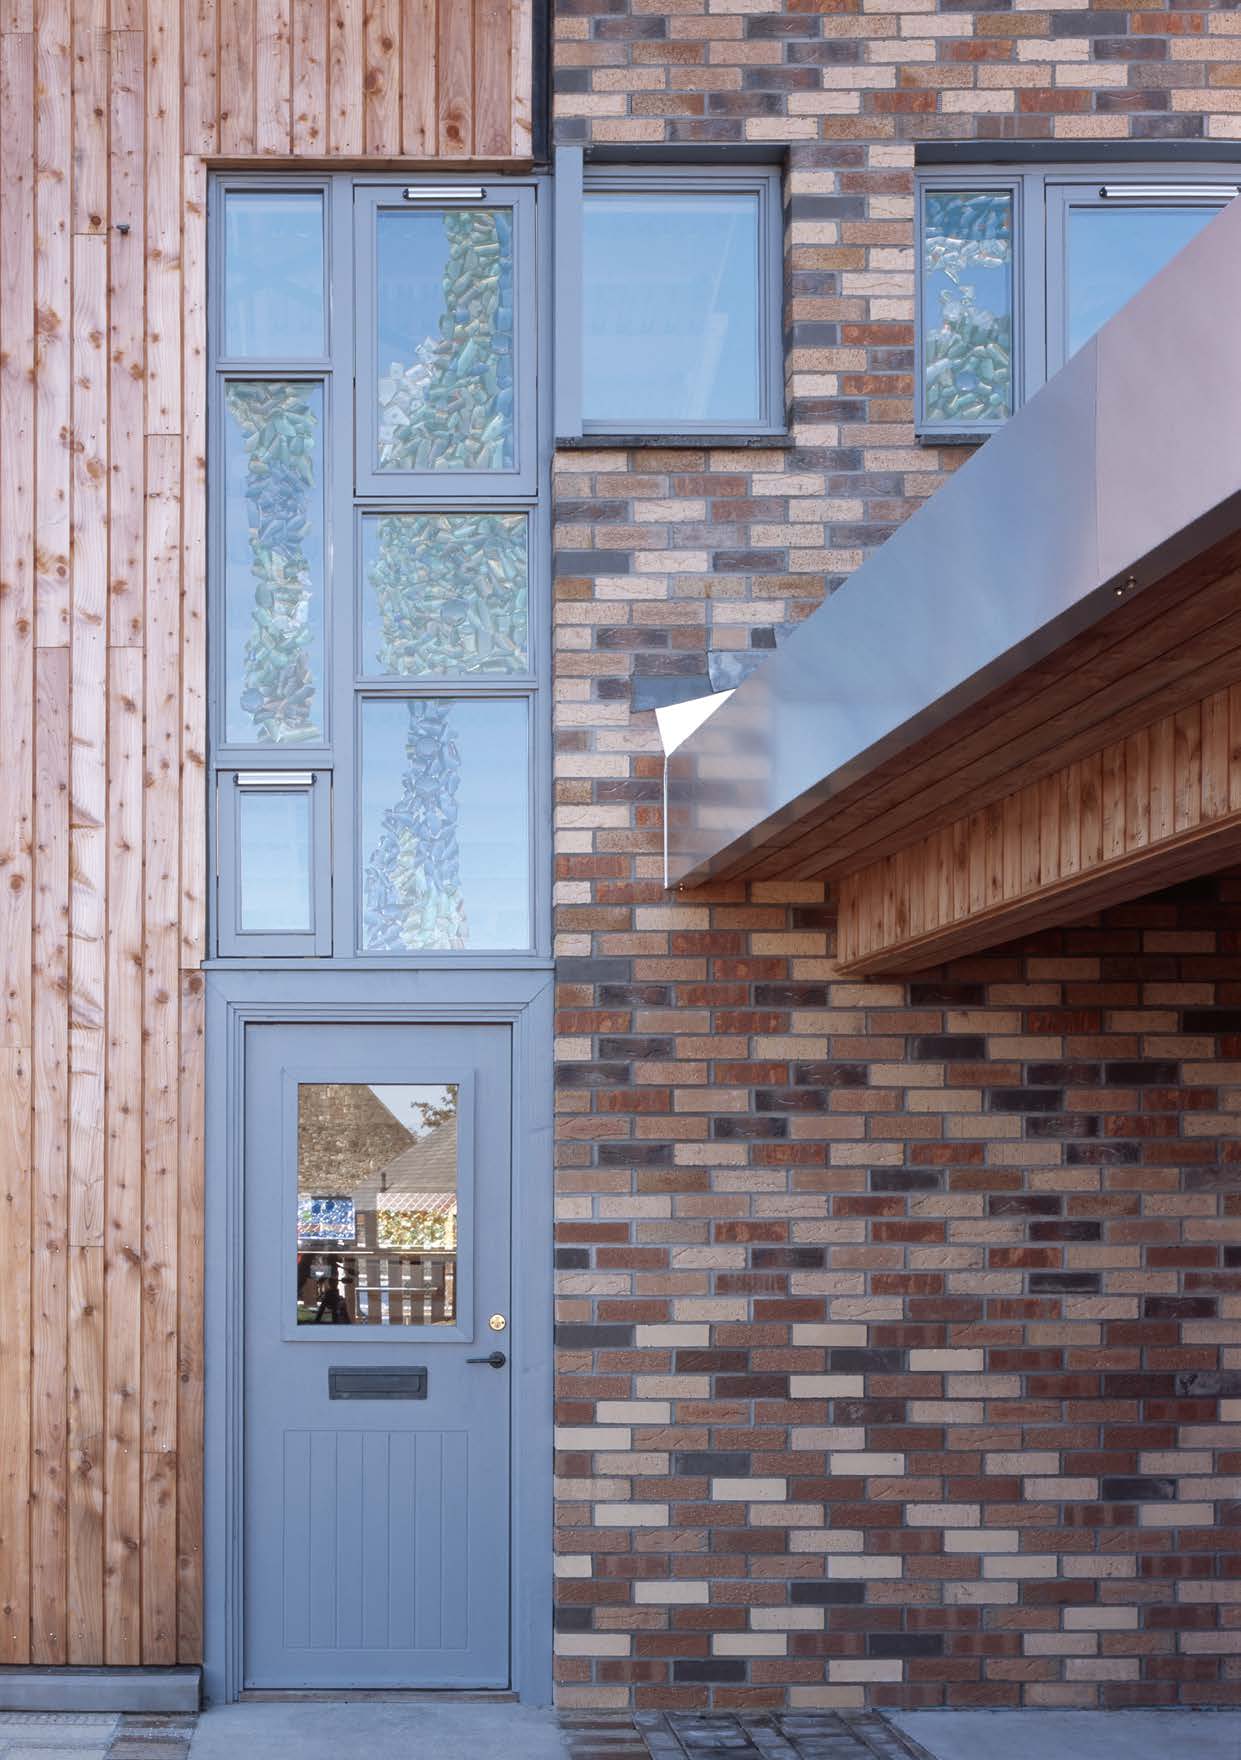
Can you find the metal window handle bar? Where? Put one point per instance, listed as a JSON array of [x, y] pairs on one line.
[[496, 1360], [1168, 192]]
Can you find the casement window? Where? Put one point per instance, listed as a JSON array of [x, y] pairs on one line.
[[375, 548], [668, 299], [1017, 269]]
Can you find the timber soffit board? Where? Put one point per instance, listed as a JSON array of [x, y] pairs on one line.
[[1082, 564]]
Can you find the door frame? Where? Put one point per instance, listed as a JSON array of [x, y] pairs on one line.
[[519, 998]]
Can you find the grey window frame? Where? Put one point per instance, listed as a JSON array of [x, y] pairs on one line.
[[235, 942], [373, 198], [337, 943], [1043, 195], [575, 179]]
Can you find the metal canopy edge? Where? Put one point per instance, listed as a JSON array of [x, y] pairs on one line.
[[1124, 466]]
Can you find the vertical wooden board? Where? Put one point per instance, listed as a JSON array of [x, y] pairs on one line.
[[126, 340], [993, 824], [122, 1268], [1215, 755], [49, 1534], [191, 1303], [163, 221], [86, 1454], [943, 871], [382, 79], [273, 76], [521, 62], [87, 918], [915, 887], [161, 1009], [53, 127], [1112, 801], [88, 756], [236, 95], [1049, 830], [1234, 748], [1012, 845], [960, 870], [344, 73], [1162, 778], [1138, 790], [202, 56], [193, 571], [455, 74], [17, 538], [1187, 767], [1091, 773], [1031, 836], [493, 119], [419, 97], [978, 861], [309, 76], [15, 1330], [90, 115], [1070, 779]]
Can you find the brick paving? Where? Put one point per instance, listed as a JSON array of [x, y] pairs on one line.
[[745, 1736]]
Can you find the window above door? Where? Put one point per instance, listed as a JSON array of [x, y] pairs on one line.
[[1016, 269]]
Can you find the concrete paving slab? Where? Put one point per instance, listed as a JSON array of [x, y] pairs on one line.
[[1073, 1735], [330, 1730]]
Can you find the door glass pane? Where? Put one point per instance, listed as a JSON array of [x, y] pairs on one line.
[[444, 594], [274, 862], [1112, 252], [445, 825], [967, 305], [376, 1204], [274, 544], [670, 307], [273, 275], [445, 340]]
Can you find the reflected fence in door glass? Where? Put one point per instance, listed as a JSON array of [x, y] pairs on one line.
[[445, 340], [377, 1184]]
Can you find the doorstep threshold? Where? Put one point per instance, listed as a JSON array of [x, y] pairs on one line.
[[378, 1695]]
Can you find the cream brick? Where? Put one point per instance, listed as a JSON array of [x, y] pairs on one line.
[[631, 1515], [592, 1643], [671, 1592], [591, 1437], [749, 1644], [983, 1540], [749, 1490], [946, 1361], [854, 1670]]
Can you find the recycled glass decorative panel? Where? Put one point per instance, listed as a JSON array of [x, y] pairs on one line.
[[274, 550], [967, 306], [273, 858], [444, 594], [670, 307], [444, 824], [445, 340], [377, 1199], [273, 275], [1114, 251]]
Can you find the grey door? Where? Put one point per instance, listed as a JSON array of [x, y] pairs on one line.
[[376, 1452]]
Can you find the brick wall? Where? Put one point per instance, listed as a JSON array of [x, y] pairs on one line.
[[897, 1353]]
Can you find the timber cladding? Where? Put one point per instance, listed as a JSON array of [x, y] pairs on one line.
[[112, 115], [899, 1354]]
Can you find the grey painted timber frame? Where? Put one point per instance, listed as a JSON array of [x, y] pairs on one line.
[[578, 175], [522, 1000], [346, 685], [1042, 191], [1124, 466], [507, 987]]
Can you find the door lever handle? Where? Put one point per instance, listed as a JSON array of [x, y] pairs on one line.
[[496, 1360]]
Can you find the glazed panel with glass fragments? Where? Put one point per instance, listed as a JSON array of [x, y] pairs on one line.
[[445, 594], [967, 306]]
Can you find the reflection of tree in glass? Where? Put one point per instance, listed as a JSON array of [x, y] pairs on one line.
[[968, 359]]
